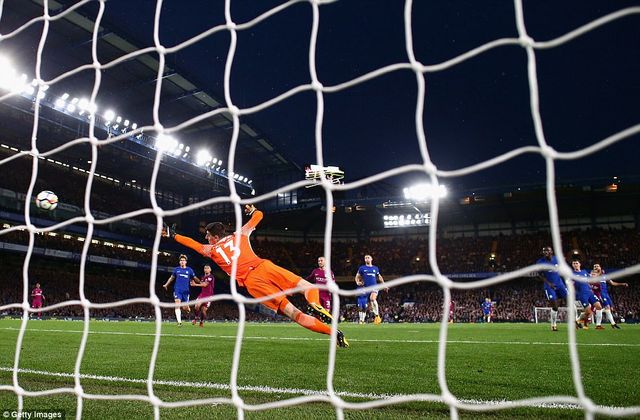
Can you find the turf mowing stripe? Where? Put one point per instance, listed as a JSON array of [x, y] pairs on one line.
[[526, 343], [272, 390]]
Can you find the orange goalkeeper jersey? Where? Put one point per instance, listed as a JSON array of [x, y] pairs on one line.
[[224, 251]]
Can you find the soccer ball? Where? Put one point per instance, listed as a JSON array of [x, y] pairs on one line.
[[47, 200]]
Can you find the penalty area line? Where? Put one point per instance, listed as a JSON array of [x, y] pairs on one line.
[[274, 390]]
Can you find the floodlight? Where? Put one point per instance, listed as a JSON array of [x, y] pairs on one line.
[[203, 157], [214, 161], [29, 90], [65, 96], [119, 119], [59, 103], [406, 220], [5, 63], [83, 104], [250, 181], [187, 149], [166, 143], [109, 115], [220, 162], [71, 108], [41, 94], [424, 192], [126, 123], [180, 146], [134, 126]]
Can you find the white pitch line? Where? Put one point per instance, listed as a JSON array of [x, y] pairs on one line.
[[357, 340], [273, 390]]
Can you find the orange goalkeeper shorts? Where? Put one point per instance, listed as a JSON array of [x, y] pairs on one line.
[[267, 279]]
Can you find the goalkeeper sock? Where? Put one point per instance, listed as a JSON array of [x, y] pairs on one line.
[[374, 307], [362, 315], [599, 317], [178, 315], [554, 317], [312, 296], [312, 323], [610, 316]]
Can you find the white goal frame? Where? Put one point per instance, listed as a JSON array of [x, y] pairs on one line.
[[563, 312]]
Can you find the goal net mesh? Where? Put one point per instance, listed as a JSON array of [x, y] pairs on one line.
[[232, 27], [543, 314]]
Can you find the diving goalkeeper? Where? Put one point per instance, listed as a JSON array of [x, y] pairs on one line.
[[260, 276]]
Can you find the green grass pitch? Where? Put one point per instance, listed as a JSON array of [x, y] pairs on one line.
[[485, 362]]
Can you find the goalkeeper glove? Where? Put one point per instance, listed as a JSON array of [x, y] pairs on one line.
[[169, 231]]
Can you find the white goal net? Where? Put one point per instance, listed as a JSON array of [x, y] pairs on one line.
[[15, 85], [543, 314]]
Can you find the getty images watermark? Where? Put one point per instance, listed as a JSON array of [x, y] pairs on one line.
[[33, 414]]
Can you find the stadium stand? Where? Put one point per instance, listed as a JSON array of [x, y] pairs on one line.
[[421, 302]]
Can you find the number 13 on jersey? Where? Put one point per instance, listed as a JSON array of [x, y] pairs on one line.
[[225, 254]]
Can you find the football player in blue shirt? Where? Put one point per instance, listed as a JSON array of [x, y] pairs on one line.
[[183, 276], [487, 309], [368, 275], [554, 287], [604, 296], [584, 295]]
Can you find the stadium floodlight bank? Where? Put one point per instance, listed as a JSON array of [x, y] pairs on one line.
[[392, 221]]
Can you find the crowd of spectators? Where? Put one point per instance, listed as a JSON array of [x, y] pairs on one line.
[[611, 248], [513, 302], [415, 302]]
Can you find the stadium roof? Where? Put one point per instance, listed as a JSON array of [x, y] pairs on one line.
[[579, 205], [128, 88]]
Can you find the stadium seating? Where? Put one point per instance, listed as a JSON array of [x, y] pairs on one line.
[[420, 302]]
